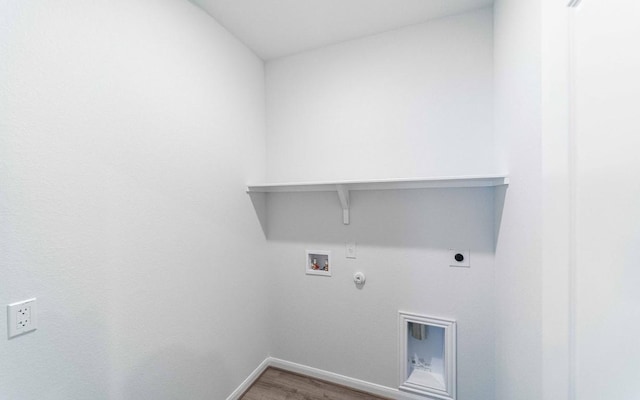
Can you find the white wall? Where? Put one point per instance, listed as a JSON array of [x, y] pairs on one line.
[[518, 270], [127, 132], [608, 198], [402, 240], [556, 202], [589, 197], [412, 102]]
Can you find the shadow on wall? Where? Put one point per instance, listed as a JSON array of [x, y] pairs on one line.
[[421, 218], [177, 373], [500, 196]]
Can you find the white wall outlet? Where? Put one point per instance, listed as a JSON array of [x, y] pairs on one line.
[[459, 258], [21, 317], [351, 250]]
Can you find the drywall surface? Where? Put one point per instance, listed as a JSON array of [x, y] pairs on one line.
[[127, 132], [411, 102], [402, 240], [277, 28], [607, 200], [556, 202], [518, 255]]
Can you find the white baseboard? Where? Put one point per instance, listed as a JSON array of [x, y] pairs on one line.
[[246, 384], [338, 379]]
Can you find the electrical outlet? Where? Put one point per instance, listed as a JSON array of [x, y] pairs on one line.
[[459, 258], [21, 317]]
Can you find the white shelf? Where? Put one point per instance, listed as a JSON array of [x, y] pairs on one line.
[[385, 184], [344, 187]]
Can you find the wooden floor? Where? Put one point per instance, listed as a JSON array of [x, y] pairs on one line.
[[276, 384]]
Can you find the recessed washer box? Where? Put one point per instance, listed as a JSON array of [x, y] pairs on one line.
[[318, 262]]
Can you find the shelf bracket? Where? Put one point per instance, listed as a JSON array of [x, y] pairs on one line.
[[343, 195]]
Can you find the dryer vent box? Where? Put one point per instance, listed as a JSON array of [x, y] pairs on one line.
[[428, 355]]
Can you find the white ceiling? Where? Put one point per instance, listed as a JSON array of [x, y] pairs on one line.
[[274, 28]]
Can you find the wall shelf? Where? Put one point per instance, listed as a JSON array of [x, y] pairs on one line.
[[342, 188]]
